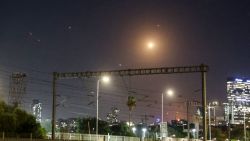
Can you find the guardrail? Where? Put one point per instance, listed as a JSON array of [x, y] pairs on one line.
[[90, 137]]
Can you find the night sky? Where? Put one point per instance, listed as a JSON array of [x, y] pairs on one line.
[[39, 37]]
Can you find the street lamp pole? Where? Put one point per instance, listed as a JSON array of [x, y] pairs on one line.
[[211, 105], [188, 127], [97, 107], [104, 79], [162, 113], [53, 121], [162, 108], [214, 117], [245, 133], [169, 93], [204, 102], [209, 120]]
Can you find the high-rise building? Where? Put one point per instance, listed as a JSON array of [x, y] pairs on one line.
[[238, 96], [37, 109], [67, 125], [17, 88]]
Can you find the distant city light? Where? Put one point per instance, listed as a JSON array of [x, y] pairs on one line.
[[130, 123], [158, 120], [238, 80], [237, 94], [215, 103], [134, 129]]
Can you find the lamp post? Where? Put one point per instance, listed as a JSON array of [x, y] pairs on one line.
[[105, 79], [209, 120], [188, 127], [245, 132], [134, 129], [214, 103], [144, 130], [244, 122], [193, 131], [169, 93]]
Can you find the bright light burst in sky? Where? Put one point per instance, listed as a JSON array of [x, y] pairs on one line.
[[151, 45]]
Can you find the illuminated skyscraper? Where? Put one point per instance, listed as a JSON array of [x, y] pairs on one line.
[[37, 109], [238, 96]]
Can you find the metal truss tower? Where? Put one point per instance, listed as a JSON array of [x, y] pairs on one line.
[[17, 88]]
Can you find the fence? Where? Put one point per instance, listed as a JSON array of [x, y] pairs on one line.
[[90, 137], [93, 137], [70, 137]]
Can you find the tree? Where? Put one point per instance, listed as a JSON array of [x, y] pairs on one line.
[[219, 134], [177, 131], [46, 125], [87, 125], [121, 129], [237, 132], [14, 121], [131, 103]]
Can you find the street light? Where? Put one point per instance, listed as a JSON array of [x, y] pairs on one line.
[[104, 79], [134, 129], [245, 133], [193, 131], [244, 110], [188, 103], [144, 130], [209, 120], [210, 106], [169, 93], [143, 133]]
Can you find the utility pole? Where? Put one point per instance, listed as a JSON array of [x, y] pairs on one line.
[[204, 101], [188, 127], [229, 121], [53, 121], [245, 132], [97, 109]]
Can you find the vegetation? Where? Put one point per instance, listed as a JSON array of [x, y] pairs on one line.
[[178, 132], [131, 103], [88, 125], [121, 129], [46, 125], [16, 122]]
